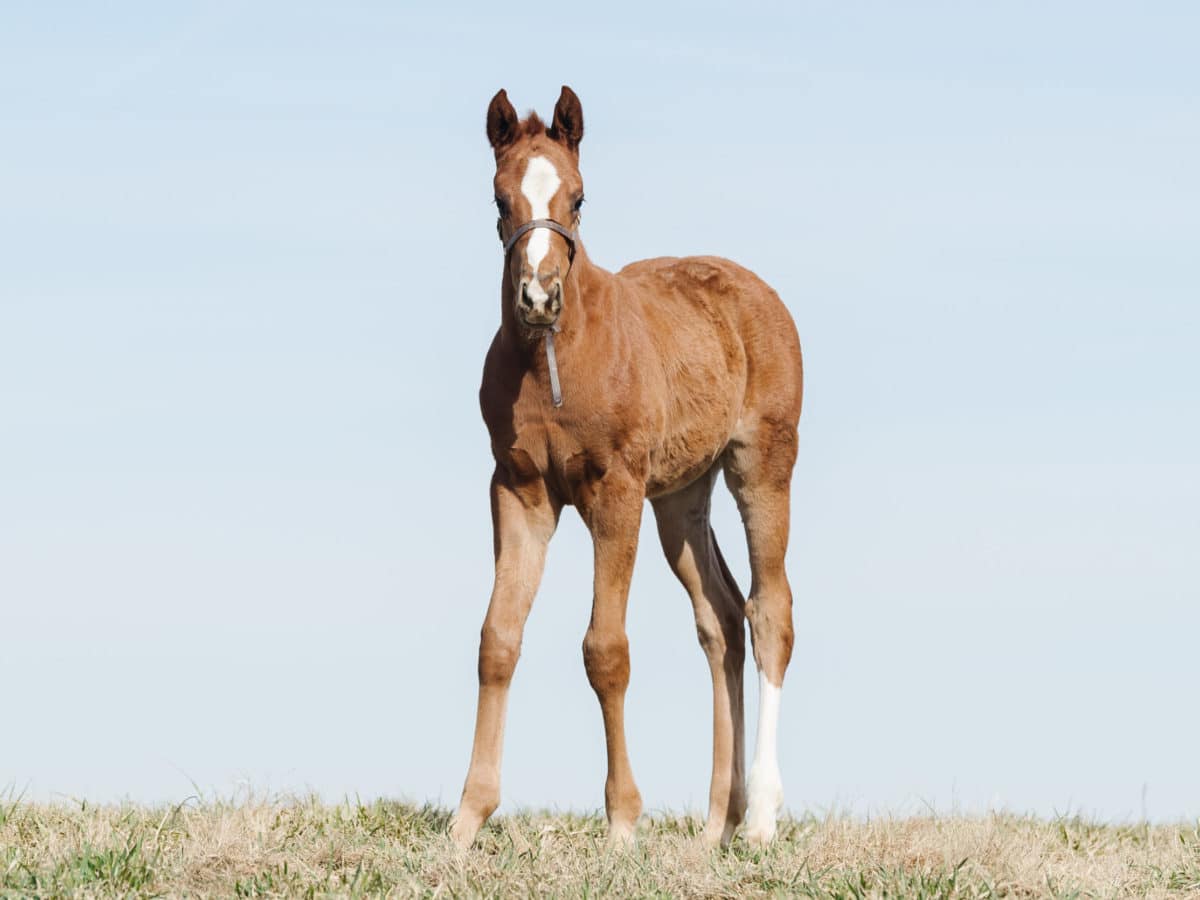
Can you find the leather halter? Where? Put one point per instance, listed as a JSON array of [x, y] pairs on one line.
[[570, 236]]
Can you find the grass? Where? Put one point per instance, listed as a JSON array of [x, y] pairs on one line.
[[278, 847]]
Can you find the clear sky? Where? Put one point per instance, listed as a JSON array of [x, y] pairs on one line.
[[248, 273]]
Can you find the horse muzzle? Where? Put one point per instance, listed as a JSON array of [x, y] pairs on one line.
[[537, 305]]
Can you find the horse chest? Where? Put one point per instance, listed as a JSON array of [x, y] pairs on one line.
[[571, 453]]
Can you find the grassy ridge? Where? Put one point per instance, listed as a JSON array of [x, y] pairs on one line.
[[298, 847]]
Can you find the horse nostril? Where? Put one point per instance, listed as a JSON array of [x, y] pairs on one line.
[[525, 300]]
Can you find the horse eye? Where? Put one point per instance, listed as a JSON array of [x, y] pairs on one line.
[[502, 207], [578, 204]]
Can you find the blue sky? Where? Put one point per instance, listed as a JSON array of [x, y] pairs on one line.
[[248, 272]]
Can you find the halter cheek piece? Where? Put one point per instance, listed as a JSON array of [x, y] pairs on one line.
[[571, 237]]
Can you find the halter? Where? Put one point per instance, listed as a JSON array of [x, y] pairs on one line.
[[571, 237]]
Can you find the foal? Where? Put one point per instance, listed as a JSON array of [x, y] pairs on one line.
[[667, 372]]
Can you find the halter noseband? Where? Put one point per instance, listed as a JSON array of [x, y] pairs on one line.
[[571, 237]]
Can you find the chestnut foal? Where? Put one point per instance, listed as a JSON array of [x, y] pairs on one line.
[[601, 391]]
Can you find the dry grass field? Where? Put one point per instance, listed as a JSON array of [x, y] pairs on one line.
[[303, 847]]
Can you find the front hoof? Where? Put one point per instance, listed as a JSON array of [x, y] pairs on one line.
[[621, 834], [463, 829]]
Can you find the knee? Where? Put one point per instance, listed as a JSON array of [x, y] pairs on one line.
[[498, 652], [606, 658]]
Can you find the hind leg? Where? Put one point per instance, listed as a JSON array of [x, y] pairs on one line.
[[758, 470], [691, 550]]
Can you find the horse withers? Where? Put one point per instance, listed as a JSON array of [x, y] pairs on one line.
[[601, 391]]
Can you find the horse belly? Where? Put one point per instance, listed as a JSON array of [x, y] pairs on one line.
[[705, 385], [678, 466], [695, 438]]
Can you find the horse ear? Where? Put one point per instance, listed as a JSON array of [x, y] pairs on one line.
[[502, 122], [568, 120]]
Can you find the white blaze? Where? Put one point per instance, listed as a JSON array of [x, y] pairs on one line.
[[538, 185], [766, 787]]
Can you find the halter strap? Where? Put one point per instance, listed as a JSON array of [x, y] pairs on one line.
[[552, 365], [571, 236]]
